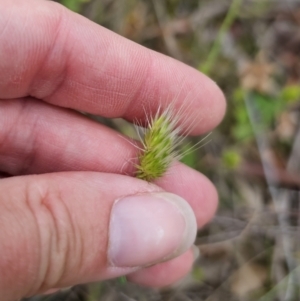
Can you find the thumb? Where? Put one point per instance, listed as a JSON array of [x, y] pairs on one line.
[[62, 229]]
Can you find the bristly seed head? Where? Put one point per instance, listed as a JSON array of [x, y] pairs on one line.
[[160, 144]]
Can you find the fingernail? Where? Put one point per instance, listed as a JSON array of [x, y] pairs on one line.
[[149, 228]]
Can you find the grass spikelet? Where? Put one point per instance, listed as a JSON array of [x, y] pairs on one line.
[[160, 144]]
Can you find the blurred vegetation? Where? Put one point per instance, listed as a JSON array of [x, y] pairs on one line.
[[74, 5], [251, 249]]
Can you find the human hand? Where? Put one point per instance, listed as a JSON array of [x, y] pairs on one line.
[[60, 224]]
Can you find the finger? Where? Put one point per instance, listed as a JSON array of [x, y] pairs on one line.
[[40, 138], [59, 230], [166, 273], [194, 187], [162, 274], [69, 61], [203, 198], [36, 137]]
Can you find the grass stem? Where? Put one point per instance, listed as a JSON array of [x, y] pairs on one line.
[[215, 50]]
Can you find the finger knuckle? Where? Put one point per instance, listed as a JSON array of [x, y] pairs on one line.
[[58, 235]]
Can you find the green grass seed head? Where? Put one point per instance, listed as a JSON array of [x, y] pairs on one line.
[[160, 143]]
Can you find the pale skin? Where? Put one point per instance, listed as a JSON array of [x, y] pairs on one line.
[[68, 171]]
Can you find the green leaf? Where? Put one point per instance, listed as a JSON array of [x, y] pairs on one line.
[[198, 274], [291, 94], [269, 107], [231, 159]]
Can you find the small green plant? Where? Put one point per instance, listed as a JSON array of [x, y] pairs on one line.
[[231, 159], [161, 145]]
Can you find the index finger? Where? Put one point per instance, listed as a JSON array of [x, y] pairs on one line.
[[51, 53]]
